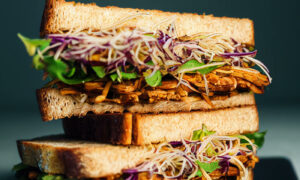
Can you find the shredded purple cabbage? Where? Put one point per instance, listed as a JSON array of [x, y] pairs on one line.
[[175, 144], [224, 163], [229, 55]]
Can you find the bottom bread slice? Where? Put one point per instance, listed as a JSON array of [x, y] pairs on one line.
[[140, 129], [59, 155], [81, 159]]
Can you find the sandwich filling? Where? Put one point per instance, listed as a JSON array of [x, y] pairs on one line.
[[205, 155], [128, 65]]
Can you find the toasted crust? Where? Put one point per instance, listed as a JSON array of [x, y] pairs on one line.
[[53, 105], [107, 128], [60, 16], [81, 159], [141, 129]]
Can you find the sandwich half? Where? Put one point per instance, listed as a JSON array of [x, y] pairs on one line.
[[158, 75], [206, 155]]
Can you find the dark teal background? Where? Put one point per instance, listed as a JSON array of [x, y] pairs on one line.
[[277, 40]]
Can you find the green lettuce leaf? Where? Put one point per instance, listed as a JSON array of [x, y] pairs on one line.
[[207, 167], [154, 80], [199, 134], [32, 44], [99, 70], [194, 64]]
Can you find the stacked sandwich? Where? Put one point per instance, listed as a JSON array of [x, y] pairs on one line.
[[144, 94]]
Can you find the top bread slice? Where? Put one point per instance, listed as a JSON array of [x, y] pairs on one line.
[[53, 105], [61, 16]]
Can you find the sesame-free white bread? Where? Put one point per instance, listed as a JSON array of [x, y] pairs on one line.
[[60, 16], [82, 159], [141, 129], [53, 105], [58, 155], [153, 128]]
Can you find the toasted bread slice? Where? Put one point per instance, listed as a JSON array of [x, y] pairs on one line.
[[60, 16], [53, 105], [140, 129], [81, 159]]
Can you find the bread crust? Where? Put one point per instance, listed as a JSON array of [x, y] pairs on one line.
[[53, 105], [60, 16], [141, 129], [108, 128]]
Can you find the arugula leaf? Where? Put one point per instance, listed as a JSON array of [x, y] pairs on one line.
[[207, 167], [99, 70], [32, 44], [199, 134], [59, 69], [155, 79], [258, 137], [194, 64]]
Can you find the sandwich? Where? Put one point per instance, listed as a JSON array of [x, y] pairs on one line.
[[206, 155], [148, 70], [144, 94]]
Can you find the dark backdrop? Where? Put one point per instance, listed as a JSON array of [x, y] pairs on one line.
[[276, 35]]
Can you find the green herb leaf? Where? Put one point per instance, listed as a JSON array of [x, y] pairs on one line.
[[128, 76], [210, 150], [194, 64], [32, 44], [36, 62], [199, 134], [154, 80], [124, 75], [114, 77], [50, 177], [58, 69], [198, 173], [99, 70], [207, 167], [71, 72], [258, 137]]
